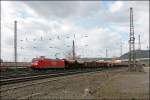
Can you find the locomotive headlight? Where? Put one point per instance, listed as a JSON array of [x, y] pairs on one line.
[[35, 63]]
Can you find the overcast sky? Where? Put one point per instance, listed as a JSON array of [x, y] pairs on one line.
[[47, 28]]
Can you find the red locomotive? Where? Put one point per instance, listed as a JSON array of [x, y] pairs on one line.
[[43, 63]]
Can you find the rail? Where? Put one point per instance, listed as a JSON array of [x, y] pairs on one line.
[[42, 76]]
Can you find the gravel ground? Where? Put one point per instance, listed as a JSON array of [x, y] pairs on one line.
[[99, 85], [128, 85]]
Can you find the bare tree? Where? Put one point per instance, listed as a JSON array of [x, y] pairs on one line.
[[69, 55]]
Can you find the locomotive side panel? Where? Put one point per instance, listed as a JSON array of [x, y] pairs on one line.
[[48, 63]]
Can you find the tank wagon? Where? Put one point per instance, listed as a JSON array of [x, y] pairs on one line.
[[46, 63]]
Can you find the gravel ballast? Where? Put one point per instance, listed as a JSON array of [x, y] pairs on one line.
[[115, 84]]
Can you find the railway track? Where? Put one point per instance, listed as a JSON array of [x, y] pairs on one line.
[[23, 78], [8, 90], [21, 74]]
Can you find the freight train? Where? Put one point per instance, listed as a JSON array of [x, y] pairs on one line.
[[46, 63]]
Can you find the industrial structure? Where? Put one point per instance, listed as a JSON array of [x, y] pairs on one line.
[[139, 43], [15, 42], [73, 51], [106, 53], [0, 49], [132, 58], [121, 48]]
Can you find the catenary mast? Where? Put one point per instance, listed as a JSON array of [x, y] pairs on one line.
[[132, 58], [15, 42]]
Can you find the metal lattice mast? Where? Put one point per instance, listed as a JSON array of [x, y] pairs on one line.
[[106, 53], [0, 47], [15, 42], [121, 48], [73, 50], [139, 44], [131, 42]]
